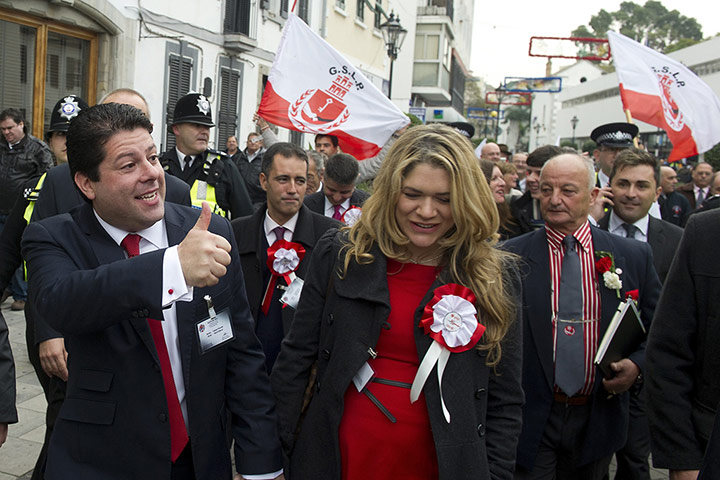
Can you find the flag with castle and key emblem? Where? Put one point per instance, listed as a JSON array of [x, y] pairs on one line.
[[312, 88]]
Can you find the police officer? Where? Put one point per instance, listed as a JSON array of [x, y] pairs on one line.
[[212, 176], [611, 138]]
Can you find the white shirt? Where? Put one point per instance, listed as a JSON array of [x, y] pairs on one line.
[[330, 208], [697, 189], [604, 179], [182, 159], [174, 289], [616, 227], [270, 225]]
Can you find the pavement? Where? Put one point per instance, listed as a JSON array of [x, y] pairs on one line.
[[19, 453]]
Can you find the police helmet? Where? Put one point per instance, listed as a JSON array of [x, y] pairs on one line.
[[64, 111], [193, 108], [616, 135]]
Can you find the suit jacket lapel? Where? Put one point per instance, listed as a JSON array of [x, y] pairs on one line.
[[538, 303], [609, 299], [177, 227]]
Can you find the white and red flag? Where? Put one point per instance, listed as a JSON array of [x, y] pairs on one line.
[[665, 93], [312, 88]]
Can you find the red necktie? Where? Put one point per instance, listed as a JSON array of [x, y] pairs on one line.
[[178, 431], [337, 215]]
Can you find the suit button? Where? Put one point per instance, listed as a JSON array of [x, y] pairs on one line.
[[330, 319], [134, 314], [481, 430], [162, 417], [479, 393], [326, 354], [317, 386], [146, 313]]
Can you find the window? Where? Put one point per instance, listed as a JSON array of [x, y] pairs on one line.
[[228, 105], [180, 77], [303, 9], [432, 57], [284, 8], [360, 13], [66, 57], [340, 4], [296, 138], [238, 17]]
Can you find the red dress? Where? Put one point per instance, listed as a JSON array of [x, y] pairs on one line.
[[371, 446]]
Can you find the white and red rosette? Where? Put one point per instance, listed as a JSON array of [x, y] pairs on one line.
[[351, 215], [283, 258], [450, 319]]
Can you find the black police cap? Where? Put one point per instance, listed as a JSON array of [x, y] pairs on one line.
[[193, 108], [618, 135], [64, 111], [463, 128]]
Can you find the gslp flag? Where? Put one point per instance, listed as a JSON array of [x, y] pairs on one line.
[[665, 93], [314, 89]]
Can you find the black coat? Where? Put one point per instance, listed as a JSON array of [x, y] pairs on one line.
[[608, 422], [674, 208], [230, 191], [249, 235], [663, 237], [683, 353], [316, 201], [336, 327]]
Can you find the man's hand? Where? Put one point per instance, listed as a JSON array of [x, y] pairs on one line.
[[3, 433], [53, 358], [604, 199], [203, 255], [684, 474], [626, 373], [260, 122]]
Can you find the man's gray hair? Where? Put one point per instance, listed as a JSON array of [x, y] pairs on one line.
[[318, 158], [587, 163]]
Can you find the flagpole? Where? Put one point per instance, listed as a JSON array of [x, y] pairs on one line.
[[628, 116]]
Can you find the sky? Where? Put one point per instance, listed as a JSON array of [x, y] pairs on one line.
[[501, 36]]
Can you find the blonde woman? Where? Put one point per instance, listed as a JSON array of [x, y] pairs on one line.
[[414, 296]]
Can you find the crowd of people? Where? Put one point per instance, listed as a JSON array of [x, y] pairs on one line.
[[195, 308]]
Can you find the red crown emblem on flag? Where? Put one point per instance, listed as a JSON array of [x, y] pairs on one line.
[[322, 111]]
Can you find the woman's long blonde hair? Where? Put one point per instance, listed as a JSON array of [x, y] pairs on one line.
[[468, 247]]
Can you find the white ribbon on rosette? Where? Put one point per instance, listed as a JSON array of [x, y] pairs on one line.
[[351, 216], [450, 319], [286, 261]]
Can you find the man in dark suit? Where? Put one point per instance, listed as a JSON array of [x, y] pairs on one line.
[[212, 176], [58, 194], [634, 184], [699, 189], [674, 207], [150, 299], [683, 353], [339, 193], [282, 217], [526, 208], [573, 418], [8, 412]]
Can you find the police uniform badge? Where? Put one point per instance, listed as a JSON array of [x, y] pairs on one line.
[[69, 108], [203, 104]]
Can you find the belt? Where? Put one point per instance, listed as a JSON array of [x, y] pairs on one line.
[[576, 400], [377, 403]]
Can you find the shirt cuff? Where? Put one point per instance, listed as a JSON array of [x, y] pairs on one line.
[[263, 476], [174, 287]]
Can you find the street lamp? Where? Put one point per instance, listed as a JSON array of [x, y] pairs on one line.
[[574, 121], [393, 35], [537, 132]]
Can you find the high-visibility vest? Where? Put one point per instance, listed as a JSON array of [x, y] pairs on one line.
[[31, 196], [200, 192]]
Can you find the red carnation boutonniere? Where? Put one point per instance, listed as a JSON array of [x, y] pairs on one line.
[[450, 319], [283, 258], [605, 266]]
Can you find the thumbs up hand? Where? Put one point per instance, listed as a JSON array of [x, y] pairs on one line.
[[203, 255]]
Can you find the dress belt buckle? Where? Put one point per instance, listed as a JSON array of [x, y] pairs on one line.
[[574, 401]]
